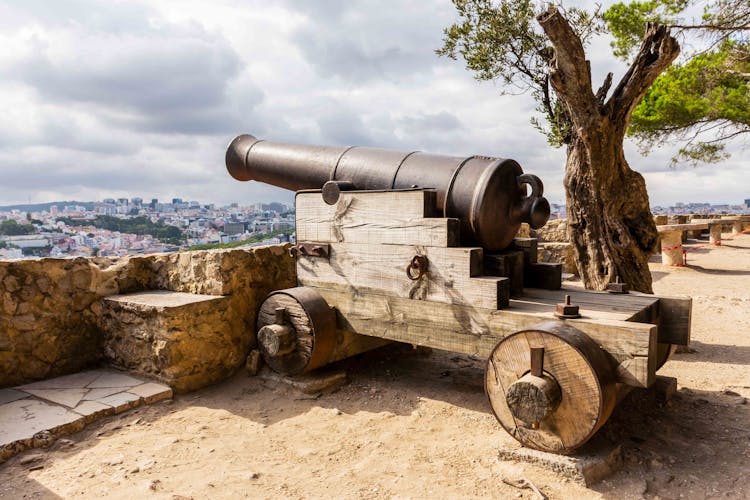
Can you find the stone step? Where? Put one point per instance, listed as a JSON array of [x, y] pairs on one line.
[[34, 415], [185, 340]]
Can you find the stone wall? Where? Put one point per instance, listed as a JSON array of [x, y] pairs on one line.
[[50, 309], [555, 246], [553, 231]]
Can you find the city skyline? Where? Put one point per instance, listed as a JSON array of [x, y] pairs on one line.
[[107, 100]]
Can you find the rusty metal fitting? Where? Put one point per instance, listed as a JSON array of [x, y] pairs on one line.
[[566, 310], [314, 249], [617, 287], [417, 267]]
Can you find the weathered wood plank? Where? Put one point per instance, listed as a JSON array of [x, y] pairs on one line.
[[675, 315], [544, 275], [399, 218], [591, 303], [383, 267], [475, 331], [507, 264], [682, 227]]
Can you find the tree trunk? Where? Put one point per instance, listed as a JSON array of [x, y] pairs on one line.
[[609, 218]]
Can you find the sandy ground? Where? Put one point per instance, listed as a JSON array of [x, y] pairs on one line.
[[414, 424]]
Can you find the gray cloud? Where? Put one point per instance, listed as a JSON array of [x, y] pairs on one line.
[[140, 99], [364, 41]]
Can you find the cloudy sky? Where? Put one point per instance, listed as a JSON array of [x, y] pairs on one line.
[[122, 99]]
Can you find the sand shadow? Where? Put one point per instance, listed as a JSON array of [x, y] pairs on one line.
[[722, 272], [695, 442], [414, 374], [657, 275], [715, 353]]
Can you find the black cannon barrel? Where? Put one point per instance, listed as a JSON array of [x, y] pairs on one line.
[[488, 195]]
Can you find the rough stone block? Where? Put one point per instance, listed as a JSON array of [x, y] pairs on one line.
[[589, 466], [185, 340]]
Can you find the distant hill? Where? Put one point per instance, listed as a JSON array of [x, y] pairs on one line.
[[41, 207]]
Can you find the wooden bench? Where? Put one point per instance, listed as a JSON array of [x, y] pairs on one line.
[[671, 235]]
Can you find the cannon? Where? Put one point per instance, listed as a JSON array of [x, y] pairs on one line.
[[424, 249], [485, 194]]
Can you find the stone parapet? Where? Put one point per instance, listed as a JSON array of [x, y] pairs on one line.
[[558, 252], [554, 231], [51, 309]]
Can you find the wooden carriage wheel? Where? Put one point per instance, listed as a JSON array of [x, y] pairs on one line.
[[296, 330], [551, 387]]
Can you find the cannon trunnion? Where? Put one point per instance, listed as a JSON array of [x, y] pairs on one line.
[[377, 262]]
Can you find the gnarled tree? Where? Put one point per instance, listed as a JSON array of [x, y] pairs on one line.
[[703, 103], [609, 219]]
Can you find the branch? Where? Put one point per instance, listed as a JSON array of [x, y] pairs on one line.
[[601, 94], [568, 69], [710, 27], [657, 52]]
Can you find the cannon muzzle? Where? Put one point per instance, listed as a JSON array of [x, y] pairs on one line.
[[488, 195]]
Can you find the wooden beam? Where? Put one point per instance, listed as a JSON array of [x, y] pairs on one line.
[[675, 316], [389, 217], [476, 331], [449, 279]]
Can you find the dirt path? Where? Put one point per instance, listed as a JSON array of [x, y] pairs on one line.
[[415, 425]]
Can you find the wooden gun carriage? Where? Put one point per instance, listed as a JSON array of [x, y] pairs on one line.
[[412, 261]]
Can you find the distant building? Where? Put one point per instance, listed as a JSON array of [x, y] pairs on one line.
[[28, 241], [176, 201], [234, 227]]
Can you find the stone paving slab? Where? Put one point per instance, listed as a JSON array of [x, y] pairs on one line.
[[36, 414], [9, 395]]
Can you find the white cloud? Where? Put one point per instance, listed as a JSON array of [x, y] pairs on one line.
[[140, 99]]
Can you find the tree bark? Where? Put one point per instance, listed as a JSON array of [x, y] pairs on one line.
[[609, 219]]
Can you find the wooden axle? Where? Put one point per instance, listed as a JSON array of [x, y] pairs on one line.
[[533, 397], [277, 340]]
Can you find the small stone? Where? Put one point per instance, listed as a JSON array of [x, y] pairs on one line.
[[154, 485], [253, 362], [28, 459], [115, 460], [255, 475]]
